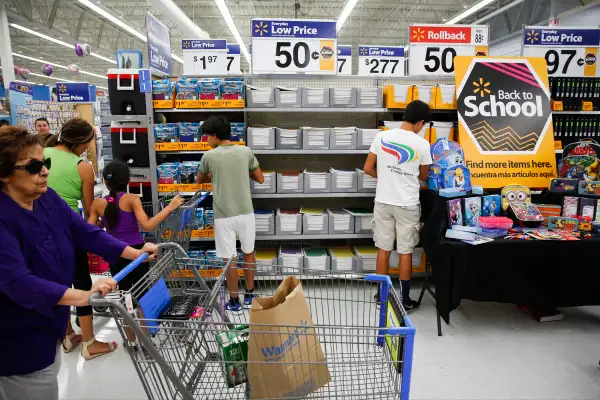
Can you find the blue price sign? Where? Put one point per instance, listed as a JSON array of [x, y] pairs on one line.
[[159, 45], [73, 92]]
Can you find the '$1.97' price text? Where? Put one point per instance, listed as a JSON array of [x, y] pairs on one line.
[[205, 60]]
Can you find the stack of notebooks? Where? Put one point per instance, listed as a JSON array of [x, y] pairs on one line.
[[442, 129], [288, 137], [368, 182], [340, 220], [266, 260], [316, 178], [448, 93], [342, 96], [343, 257], [314, 219], [368, 256], [287, 96], [362, 219], [368, 135], [316, 137], [260, 95], [344, 137], [261, 136], [343, 179], [288, 219], [291, 257], [316, 259], [290, 180], [425, 92], [264, 220], [315, 96], [369, 97], [400, 92], [269, 182]]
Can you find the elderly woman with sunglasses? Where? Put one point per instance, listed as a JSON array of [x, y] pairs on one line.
[[39, 233]]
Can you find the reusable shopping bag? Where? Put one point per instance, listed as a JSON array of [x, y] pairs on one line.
[[285, 359]]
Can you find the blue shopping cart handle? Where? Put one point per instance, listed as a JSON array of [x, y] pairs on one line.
[[132, 265], [378, 278]]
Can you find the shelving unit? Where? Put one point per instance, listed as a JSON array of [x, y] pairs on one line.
[[198, 110], [264, 238], [577, 112], [318, 110], [309, 195]]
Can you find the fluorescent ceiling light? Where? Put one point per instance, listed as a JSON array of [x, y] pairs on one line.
[[51, 39], [345, 13], [113, 19], [234, 31], [470, 11], [55, 64], [121, 24]]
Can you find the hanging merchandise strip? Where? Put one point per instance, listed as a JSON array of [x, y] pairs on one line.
[[344, 60], [294, 46], [433, 47], [204, 57], [380, 61], [571, 52]]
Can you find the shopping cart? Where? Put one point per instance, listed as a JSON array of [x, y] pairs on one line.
[[178, 226], [368, 348]]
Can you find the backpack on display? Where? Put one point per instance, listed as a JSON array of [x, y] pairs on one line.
[[581, 161], [525, 214], [514, 194], [448, 170]]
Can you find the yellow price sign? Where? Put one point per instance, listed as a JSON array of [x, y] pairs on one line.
[[166, 146], [232, 104], [557, 105], [210, 103], [587, 106]]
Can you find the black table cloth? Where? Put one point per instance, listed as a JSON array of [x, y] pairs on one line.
[[535, 273]]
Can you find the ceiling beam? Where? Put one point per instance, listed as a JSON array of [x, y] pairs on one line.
[[100, 32], [79, 25], [52, 16]]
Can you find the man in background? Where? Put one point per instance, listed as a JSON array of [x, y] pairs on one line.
[[42, 127], [229, 167], [399, 158], [4, 122]]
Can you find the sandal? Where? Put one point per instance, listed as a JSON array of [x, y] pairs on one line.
[[85, 353], [68, 344]]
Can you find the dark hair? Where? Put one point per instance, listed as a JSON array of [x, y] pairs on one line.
[[116, 176], [41, 119], [13, 140], [74, 132], [4, 122], [417, 111], [217, 126]]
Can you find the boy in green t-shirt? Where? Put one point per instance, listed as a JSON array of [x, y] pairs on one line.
[[229, 166]]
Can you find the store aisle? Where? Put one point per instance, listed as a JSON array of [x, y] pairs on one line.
[[492, 351]]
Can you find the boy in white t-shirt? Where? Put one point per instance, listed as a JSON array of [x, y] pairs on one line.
[[399, 158]]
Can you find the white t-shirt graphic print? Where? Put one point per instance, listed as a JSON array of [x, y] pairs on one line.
[[399, 153]]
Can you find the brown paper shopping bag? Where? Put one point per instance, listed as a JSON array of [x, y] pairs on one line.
[[284, 360]]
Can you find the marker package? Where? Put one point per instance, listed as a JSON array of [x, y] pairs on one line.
[[209, 89], [189, 132], [186, 89]]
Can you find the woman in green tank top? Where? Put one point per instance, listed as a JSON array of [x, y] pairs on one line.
[[73, 180]]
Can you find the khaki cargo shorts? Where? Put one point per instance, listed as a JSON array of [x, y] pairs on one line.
[[396, 223]]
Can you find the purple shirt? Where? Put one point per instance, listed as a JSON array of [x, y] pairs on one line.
[[37, 264]]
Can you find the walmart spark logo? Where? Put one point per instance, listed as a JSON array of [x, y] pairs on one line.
[[186, 44], [363, 51], [532, 37], [481, 87], [261, 28], [402, 152], [418, 34], [62, 88]]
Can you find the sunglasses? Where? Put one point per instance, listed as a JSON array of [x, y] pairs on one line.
[[34, 167]]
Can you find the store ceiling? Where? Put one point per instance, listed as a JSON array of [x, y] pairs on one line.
[[371, 22]]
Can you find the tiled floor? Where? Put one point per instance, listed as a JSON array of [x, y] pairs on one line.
[[491, 351]]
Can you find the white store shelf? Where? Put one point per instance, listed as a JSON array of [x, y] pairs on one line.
[[577, 112], [301, 151], [318, 109], [198, 110], [307, 195], [299, 237]]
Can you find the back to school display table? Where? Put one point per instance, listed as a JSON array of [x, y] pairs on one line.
[[533, 273]]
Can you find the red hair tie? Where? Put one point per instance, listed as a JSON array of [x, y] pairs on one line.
[[111, 200]]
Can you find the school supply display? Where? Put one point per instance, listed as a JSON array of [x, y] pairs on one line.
[[448, 170], [525, 214], [491, 205], [472, 207], [514, 194], [455, 213]]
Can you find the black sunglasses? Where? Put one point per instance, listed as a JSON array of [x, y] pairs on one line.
[[34, 167]]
